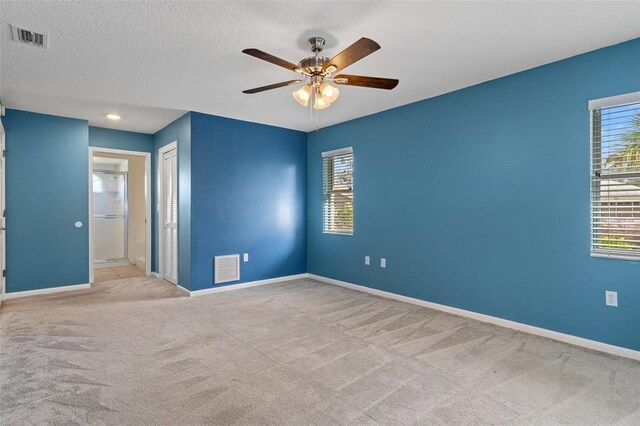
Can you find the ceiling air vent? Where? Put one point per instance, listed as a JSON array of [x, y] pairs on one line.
[[30, 37]]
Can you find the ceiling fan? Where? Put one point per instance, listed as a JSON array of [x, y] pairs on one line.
[[318, 70]]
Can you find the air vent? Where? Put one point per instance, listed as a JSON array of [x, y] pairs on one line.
[[226, 268], [30, 37]]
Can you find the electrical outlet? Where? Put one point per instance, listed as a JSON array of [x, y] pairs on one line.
[[611, 298], [383, 262], [245, 257], [367, 260]]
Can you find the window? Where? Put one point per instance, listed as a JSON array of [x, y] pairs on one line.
[[337, 191], [615, 177]]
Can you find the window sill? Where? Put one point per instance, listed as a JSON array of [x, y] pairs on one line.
[[338, 233], [616, 257]]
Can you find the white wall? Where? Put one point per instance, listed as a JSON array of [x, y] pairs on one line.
[[136, 199]]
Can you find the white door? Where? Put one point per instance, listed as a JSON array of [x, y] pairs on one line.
[[170, 216], [2, 217]]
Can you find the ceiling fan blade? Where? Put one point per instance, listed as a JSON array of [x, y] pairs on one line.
[[272, 86], [270, 58], [362, 81], [355, 52]]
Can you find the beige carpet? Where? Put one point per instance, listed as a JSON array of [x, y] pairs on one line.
[[136, 351]]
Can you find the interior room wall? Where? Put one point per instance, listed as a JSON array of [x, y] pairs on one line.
[[480, 199], [249, 183], [119, 139], [136, 211], [46, 194]]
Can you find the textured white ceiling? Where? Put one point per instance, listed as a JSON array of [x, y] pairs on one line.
[[151, 61]]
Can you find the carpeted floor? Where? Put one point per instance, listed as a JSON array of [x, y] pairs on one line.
[[136, 351]]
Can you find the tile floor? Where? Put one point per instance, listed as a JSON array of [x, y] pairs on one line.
[[117, 273]]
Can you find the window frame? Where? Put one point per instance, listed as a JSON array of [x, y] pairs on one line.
[[595, 104], [332, 154]]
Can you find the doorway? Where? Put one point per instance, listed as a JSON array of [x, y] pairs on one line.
[[110, 212], [119, 214], [168, 211]]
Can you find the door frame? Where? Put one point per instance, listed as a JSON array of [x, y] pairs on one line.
[[3, 232], [147, 176], [160, 210]]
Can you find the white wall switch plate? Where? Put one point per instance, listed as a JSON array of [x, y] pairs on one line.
[[383, 262], [245, 257], [367, 260], [611, 298]]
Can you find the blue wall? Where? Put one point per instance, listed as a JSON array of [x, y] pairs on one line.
[[118, 139], [479, 199], [180, 131], [250, 181], [46, 193]]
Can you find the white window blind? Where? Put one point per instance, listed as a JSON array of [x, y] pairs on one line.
[[337, 191], [615, 180]]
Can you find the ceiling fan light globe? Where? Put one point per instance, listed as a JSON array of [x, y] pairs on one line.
[[329, 93], [302, 95], [321, 103]]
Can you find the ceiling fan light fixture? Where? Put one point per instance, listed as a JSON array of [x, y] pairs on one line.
[[317, 70], [320, 102], [329, 93], [303, 94]]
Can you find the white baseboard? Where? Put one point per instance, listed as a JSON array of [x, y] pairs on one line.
[[42, 291], [140, 263], [244, 285], [184, 290], [543, 332], [155, 274]]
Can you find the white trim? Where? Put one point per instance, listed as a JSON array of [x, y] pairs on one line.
[[341, 151], [611, 101], [232, 287], [3, 237], [182, 289], [119, 151], [614, 256], [160, 207], [155, 275], [543, 332], [147, 177], [42, 291]]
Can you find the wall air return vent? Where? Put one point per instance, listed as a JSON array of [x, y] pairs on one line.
[[226, 268], [30, 37]]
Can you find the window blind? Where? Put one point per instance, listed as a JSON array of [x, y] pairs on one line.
[[615, 181], [337, 191]]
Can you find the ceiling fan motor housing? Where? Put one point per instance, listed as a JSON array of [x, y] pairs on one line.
[[313, 64]]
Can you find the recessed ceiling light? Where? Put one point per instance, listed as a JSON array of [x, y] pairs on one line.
[[113, 117]]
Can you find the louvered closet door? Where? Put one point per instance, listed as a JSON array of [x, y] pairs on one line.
[[170, 216]]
